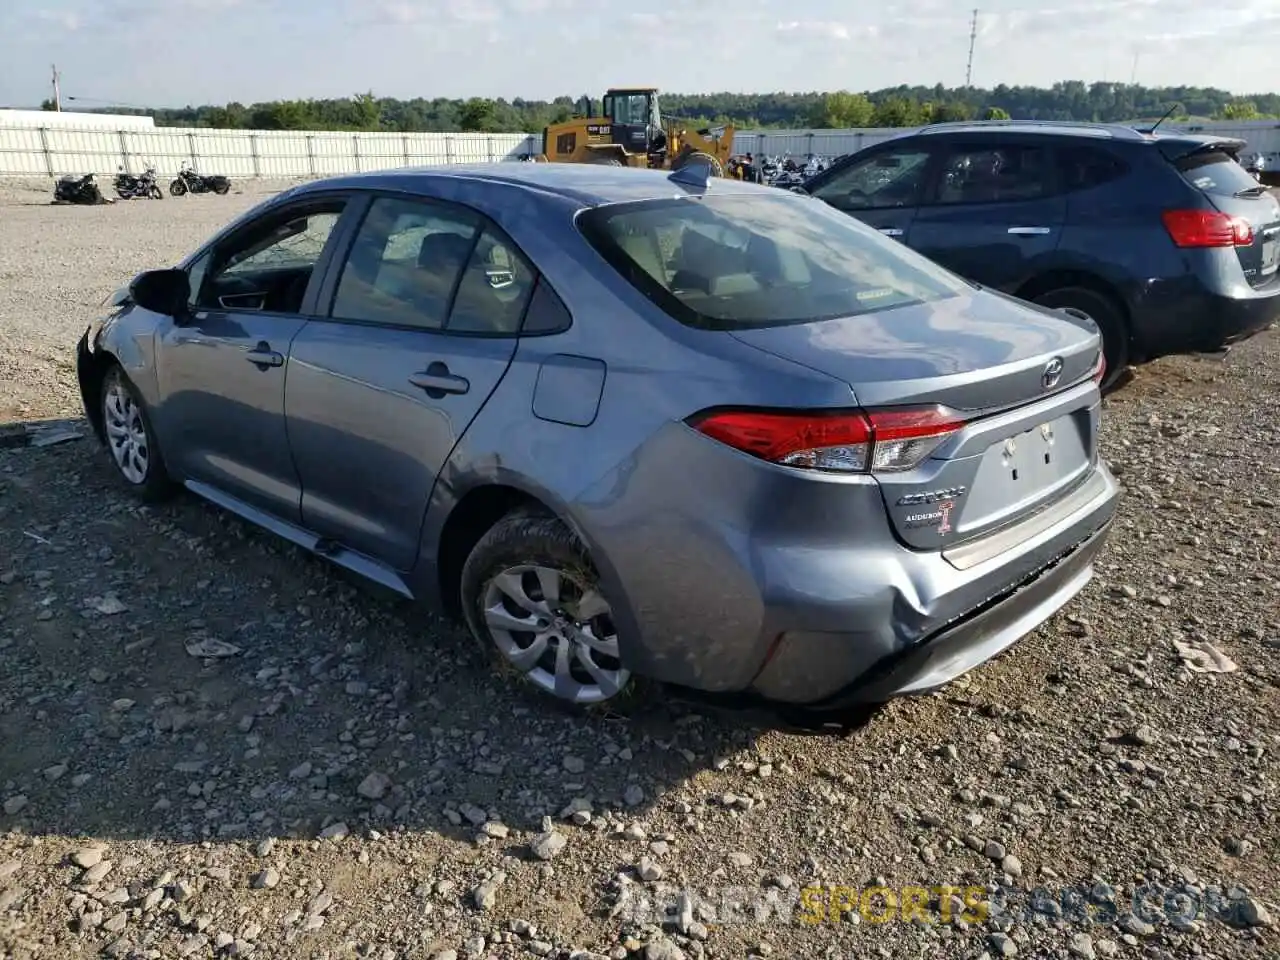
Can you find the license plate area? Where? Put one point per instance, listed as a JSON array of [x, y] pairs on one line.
[[1022, 471], [1270, 253]]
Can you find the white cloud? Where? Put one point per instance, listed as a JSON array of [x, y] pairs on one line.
[[815, 29]]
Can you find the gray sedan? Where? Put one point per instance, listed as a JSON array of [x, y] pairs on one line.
[[628, 426]]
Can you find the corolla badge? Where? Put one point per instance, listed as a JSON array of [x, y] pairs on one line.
[[1052, 373]]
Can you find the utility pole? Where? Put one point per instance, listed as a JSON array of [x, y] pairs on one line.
[[57, 89], [973, 39], [1133, 76]]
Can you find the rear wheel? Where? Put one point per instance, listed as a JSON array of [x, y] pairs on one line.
[[605, 160], [155, 193], [532, 597], [221, 187], [1101, 309]]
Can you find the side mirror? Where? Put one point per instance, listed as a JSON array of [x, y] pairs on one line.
[[162, 291]]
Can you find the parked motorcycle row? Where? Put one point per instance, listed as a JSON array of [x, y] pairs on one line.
[[785, 172], [84, 190]]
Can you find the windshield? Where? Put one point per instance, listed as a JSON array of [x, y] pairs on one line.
[[628, 108], [740, 262]]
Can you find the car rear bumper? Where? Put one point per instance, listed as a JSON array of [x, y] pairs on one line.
[[983, 604], [772, 585]]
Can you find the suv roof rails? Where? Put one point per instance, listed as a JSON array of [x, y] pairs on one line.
[[1116, 130]]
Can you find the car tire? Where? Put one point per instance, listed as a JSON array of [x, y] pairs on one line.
[[530, 568], [1102, 310], [131, 441]]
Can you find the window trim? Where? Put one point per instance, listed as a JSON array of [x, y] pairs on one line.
[[870, 155], [1053, 191], [327, 292], [284, 209]]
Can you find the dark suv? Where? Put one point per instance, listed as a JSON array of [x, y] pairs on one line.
[[1162, 239]]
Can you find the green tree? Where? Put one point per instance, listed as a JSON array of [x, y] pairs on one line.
[[897, 112], [996, 113], [842, 110], [478, 115], [1240, 110]]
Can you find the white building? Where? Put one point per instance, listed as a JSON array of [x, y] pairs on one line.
[[65, 118]]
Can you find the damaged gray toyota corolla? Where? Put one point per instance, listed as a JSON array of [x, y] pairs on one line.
[[628, 426]]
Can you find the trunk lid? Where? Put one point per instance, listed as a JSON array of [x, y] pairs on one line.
[[1211, 166], [1029, 438]]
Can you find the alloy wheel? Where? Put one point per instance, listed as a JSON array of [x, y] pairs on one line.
[[126, 434], [557, 630]]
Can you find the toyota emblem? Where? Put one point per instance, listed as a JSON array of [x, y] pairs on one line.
[[1052, 373]]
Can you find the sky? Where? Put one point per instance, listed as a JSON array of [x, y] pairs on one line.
[[178, 52]]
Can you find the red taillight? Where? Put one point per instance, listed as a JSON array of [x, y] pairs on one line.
[[1207, 228], [845, 441]]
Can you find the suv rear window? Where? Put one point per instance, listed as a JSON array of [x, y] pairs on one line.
[[1216, 172], [742, 262]]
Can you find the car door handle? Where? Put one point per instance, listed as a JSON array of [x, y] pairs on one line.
[[263, 356], [437, 381], [891, 231], [1030, 231]]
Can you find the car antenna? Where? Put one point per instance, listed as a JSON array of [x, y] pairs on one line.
[[1169, 113], [694, 175]]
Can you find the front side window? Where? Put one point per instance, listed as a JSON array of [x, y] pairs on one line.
[[268, 264], [996, 175], [433, 266], [739, 262], [891, 178]]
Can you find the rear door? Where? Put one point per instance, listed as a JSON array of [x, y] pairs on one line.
[[993, 211], [422, 317], [881, 186], [1234, 191]]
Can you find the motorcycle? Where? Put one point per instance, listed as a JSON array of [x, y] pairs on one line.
[[1255, 165], [79, 190], [129, 187], [188, 181]]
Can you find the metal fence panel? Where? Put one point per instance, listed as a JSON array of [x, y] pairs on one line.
[[27, 150]]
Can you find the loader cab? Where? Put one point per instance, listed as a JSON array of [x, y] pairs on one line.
[[635, 120]]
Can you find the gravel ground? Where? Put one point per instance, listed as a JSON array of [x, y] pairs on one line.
[[354, 783]]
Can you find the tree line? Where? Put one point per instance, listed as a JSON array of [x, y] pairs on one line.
[[903, 106]]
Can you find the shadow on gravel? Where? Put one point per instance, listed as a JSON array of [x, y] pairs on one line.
[[174, 673]]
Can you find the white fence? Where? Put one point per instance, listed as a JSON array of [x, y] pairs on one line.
[[52, 151]]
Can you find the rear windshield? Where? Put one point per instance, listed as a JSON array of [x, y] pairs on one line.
[[740, 262], [1217, 173]]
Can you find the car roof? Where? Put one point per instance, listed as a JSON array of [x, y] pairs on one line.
[[587, 185]]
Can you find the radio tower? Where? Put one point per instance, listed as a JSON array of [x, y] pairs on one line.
[[973, 39]]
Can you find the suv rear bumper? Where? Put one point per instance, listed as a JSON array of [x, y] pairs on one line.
[[1194, 318]]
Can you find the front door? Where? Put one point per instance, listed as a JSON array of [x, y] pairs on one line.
[[881, 188], [993, 212], [222, 370], [423, 323]]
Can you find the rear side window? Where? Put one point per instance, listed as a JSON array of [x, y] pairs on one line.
[[996, 175], [1216, 172], [741, 262], [1083, 168]]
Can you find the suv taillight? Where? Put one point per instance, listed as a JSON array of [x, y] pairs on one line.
[[1207, 228], [841, 441]]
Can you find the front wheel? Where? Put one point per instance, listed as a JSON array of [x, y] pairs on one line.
[[533, 599], [177, 188], [131, 440], [1102, 310]]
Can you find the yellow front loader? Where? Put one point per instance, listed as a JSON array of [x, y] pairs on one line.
[[632, 132]]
